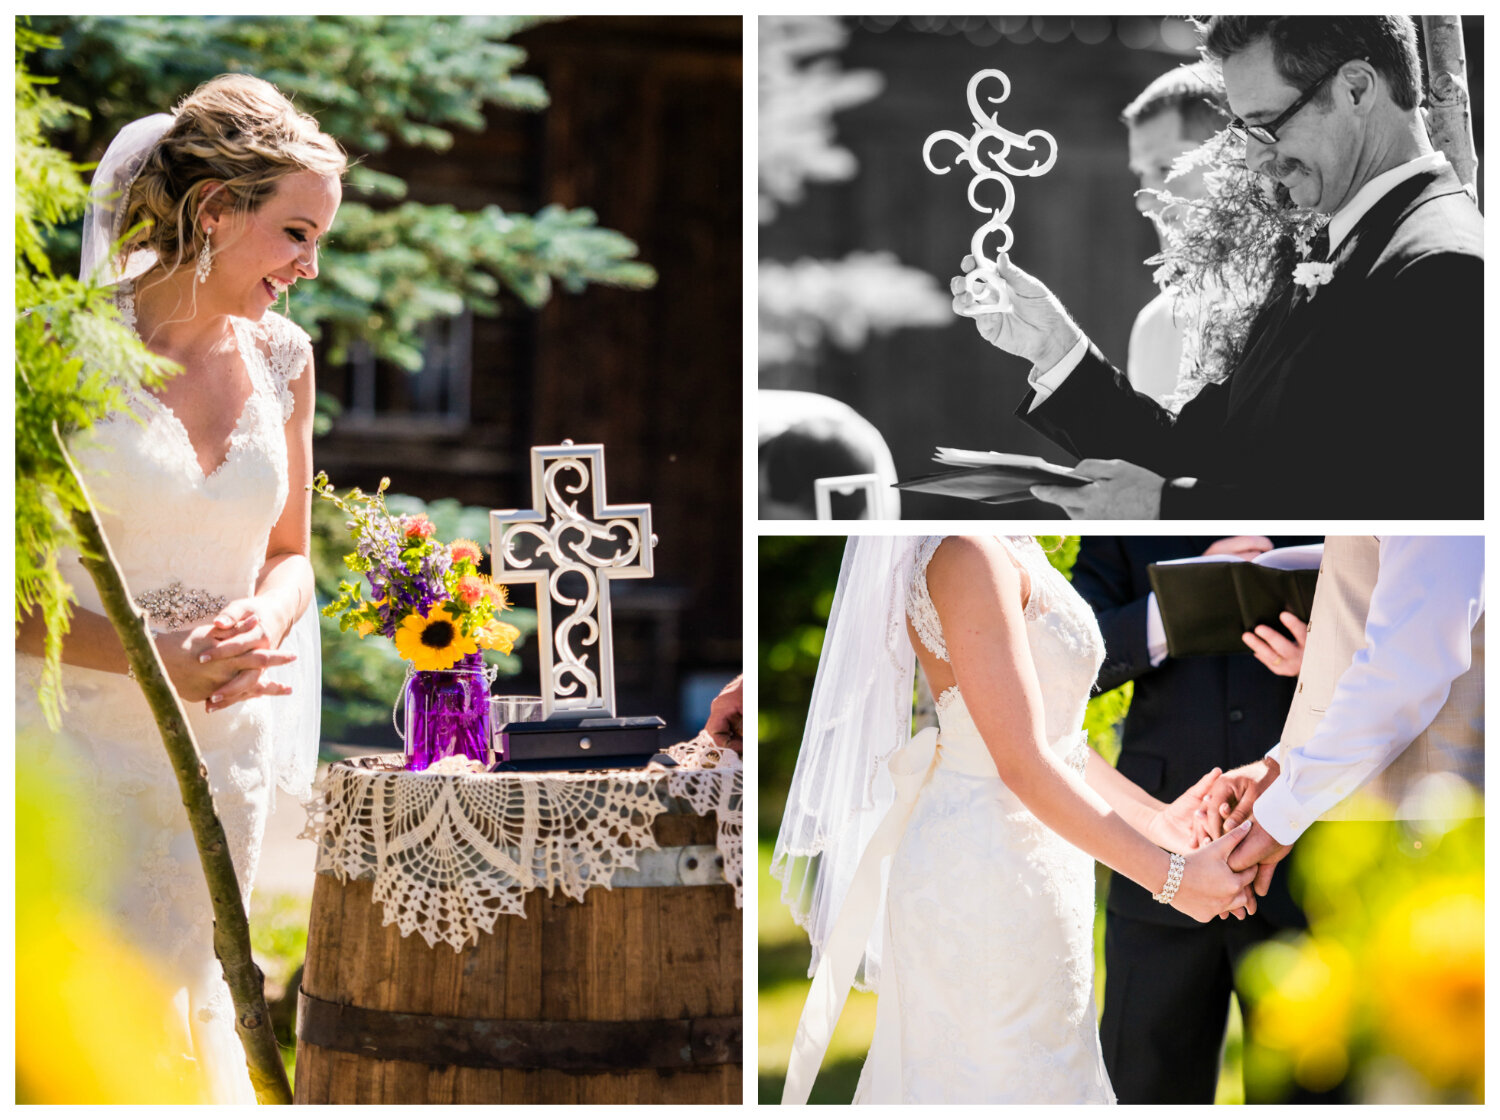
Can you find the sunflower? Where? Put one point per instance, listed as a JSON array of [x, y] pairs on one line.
[[434, 642]]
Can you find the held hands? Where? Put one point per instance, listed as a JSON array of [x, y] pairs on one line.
[[1178, 827], [1035, 328], [1229, 797], [1210, 885], [221, 662]]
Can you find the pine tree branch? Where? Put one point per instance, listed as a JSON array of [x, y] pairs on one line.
[[1448, 120], [252, 1020]]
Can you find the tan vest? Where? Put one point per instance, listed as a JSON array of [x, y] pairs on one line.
[[1452, 743]]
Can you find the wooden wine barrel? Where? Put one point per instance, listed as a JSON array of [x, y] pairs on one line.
[[632, 996]]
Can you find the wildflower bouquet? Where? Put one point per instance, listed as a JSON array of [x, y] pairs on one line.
[[427, 597], [431, 600], [1228, 255]]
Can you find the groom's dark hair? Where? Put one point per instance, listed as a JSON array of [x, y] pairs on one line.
[[1307, 47]]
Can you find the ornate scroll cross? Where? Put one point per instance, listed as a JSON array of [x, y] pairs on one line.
[[984, 284], [543, 544]]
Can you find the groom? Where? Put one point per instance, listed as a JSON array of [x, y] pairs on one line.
[[1361, 397], [1389, 703]]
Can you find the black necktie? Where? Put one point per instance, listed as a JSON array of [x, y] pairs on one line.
[[1317, 252]]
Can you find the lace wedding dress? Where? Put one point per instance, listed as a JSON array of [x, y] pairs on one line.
[[187, 542], [985, 973]]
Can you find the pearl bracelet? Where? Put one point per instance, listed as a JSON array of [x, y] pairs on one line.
[[1174, 879]]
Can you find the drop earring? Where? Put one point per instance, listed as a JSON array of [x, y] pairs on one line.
[[205, 256]]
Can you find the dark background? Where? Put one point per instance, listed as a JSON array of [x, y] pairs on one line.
[[1076, 227]]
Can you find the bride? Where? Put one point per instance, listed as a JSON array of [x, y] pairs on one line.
[[956, 866], [206, 505]]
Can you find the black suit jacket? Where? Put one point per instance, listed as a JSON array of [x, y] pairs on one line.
[[1187, 715], [1364, 400]]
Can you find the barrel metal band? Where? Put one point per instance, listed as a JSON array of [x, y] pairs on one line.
[[575, 1046]]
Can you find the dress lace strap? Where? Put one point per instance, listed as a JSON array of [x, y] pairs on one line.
[[919, 608], [287, 350]]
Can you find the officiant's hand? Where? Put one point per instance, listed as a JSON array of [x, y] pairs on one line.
[[726, 716], [1277, 652], [1036, 327], [1119, 490], [1246, 548]]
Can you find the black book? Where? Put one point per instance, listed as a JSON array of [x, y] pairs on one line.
[[1208, 602]]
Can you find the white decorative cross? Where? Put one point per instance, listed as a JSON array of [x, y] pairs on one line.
[[983, 282], [540, 544]]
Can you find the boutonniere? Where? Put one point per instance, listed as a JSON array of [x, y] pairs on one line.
[[1312, 275]]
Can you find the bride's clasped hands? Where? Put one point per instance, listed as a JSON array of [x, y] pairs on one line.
[[223, 661]]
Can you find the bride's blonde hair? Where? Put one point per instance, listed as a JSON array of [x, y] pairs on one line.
[[235, 130]]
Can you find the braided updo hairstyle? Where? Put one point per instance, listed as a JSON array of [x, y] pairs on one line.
[[237, 130]]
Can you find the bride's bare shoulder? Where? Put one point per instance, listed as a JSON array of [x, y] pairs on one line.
[[966, 562], [966, 570]]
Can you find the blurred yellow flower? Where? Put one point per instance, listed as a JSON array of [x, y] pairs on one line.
[[1427, 976], [1304, 1000]]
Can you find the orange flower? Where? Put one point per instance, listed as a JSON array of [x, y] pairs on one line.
[[496, 635], [416, 526], [465, 550], [470, 590], [499, 598]]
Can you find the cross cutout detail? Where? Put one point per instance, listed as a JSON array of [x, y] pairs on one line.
[[541, 544]]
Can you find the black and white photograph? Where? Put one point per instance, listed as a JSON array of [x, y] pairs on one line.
[[1120, 267]]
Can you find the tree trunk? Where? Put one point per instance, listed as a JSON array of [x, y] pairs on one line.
[[1448, 120], [252, 1020]]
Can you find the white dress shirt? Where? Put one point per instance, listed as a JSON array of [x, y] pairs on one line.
[[1427, 598], [1155, 353], [1045, 383]]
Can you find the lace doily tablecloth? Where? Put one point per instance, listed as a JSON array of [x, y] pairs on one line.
[[451, 852]]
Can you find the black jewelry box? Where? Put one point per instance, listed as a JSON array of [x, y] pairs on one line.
[[580, 743]]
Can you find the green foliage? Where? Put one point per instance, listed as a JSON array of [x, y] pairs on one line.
[[379, 81], [387, 272], [68, 334], [1105, 712], [797, 580]]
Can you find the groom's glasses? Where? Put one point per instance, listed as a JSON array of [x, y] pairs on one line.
[[1266, 133]]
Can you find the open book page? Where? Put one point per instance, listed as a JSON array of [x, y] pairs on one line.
[[958, 457], [1294, 558]]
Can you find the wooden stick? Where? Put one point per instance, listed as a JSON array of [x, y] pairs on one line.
[[1448, 121], [252, 1020]]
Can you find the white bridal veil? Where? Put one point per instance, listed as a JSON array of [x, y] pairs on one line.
[[859, 717]]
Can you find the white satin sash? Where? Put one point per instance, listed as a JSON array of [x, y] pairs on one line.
[[910, 767]]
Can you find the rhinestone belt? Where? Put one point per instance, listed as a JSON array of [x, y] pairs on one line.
[[176, 607]]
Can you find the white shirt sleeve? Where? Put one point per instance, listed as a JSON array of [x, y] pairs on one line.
[[1046, 383], [1156, 633], [1427, 598]]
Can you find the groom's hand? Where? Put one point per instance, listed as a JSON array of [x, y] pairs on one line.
[[1260, 850], [1119, 490], [1036, 327], [1231, 795]]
